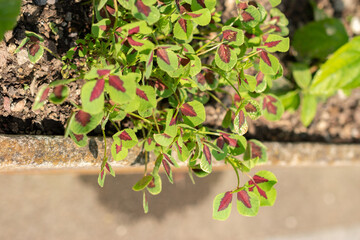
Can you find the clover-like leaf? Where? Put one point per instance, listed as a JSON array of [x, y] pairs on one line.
[[149, 64], [248, 203], [250, 17], [127, 137], [149, 144], [168, 170], [8, 14], [233, 35], [100, 28], [256, 149], [183, 29], [225, 57], [147, 98], [261, 82], [193, 113], [272, 107], [276, 43], [155, 185], [220, 143], [110, 169], [121, 88], [118, 151], [41, 97], [101, 178], [265, 179], [222, 206], [143, 11], [59, 94], [84, 122], [205, 162], [201, 17], [92, 96], [236, 143], [163, 139], [269, 64], [200, 4], [274, 3], [240, 123], [145, 203], [253, 109], [142, 183], [170, 127], [167, 59], [79, 139]]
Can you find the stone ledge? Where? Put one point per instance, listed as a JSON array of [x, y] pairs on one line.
[[57, 154]]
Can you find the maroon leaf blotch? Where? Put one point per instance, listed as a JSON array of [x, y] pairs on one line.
[[194, 15], [118, 148], [152, 183], [125, 136], [98, 89], [201, 3], [209, 77], [201, 78], [102, 174], [258, 179], [103, 72], [225, 201], [110, 10], [107, 166], [241, 118], [58, 91], [232, 142], [82, 117], [272, 44], [132, 42], [220, 142], [250, 108], [134, 30], [150, 59], [166, 166], [168, 159], [183, 24], [33, 49], [180, 149], [259, 78], [264, 56], [224, 53], [230, 35], [242, 5], [142, 8], [207, 154], [161, 53], [44, 95], [116, 83], [255, 150], [247, 17], [78, 137], [172, 121], [188, 110], [244, 197], [268, 104], [141, 94]]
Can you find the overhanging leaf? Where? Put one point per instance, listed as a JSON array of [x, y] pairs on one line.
[[142, 183], [248, 203], [240, 123], [193, 113], [84, 122], [118, 151], [127, 137], [222, 206], [256, 149]]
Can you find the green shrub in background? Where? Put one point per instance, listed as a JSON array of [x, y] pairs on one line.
[[9, 10]]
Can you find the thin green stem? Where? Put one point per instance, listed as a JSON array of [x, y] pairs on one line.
[[236, 171], [206, 44], [137, 116], [208, 133], [252, 54], [155, 121], [209, 50], [114, 123], [51, 52], [218, 100]]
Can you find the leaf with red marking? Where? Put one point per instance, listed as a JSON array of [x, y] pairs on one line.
[[100, 28], [182, 151], [155, 185], [248, 203], [147, 97], [252, 109], [200, 4], [276, 43], [201, 17], [118, 151], [163, 139], [272, 107], [168, 170], [269, 64], [225, 57], [149, 64], [250, 17], [236, 143], [144, 10], [256, 149], [101, 178], [126, 137], [167, 60], [136, 27], [233, 35], [79, 139], [59, 94], [205, 162], [122, 88], [193, 113], [264, 179], [84, 122], [240, 123], [247, 82], [92, 96], [183, 29], [41, 97], [170, 126], [222, 206], [261, 82], [142, 183], [149, 144], [220, 143], [170, 159], [110, 169]]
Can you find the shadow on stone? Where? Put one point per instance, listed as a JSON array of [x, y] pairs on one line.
[[117, 194]]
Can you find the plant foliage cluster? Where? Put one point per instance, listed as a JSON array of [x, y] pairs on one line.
[[156, 63]]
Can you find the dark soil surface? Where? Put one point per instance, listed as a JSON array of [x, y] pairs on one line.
[[337, 120]]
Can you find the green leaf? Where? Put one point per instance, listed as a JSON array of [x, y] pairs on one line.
[[101, 178], [225, 57], [302, 74], [193, 113], [308, 109], [167, 59], [149, 64], [270, 198], [276, 43], [274, 3], [322, 38], [84, 122], [247, 82], [145, 11], [264, 179], [240, 123], [227, 119], [341, 71], [233, 35], [145, 203], [147, 97], [269, 64], [290, 100], [99, 29], [9, 11], [252, 109], [92, 96], [59, 94], [155, 185], [79, 139], [250, 17], [121, 88], [41, 97], [200, 4], [183, 29], [248, 203], [168, 170], [222, 206], [110, 169], [256, 149], [101, 4], [118, 151], [126, 137], [205, 163], [201, 17], [272, 107], [220, 143], [142, 183], [170, 127], [163, 139]]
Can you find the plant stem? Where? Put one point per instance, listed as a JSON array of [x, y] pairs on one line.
[[137, 116], [252, 54], [51, 52], [206, 44], [156, 124], [209, 50], [235, 169], [218, 100]]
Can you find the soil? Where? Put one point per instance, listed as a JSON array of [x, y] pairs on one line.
[[337, 120]]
